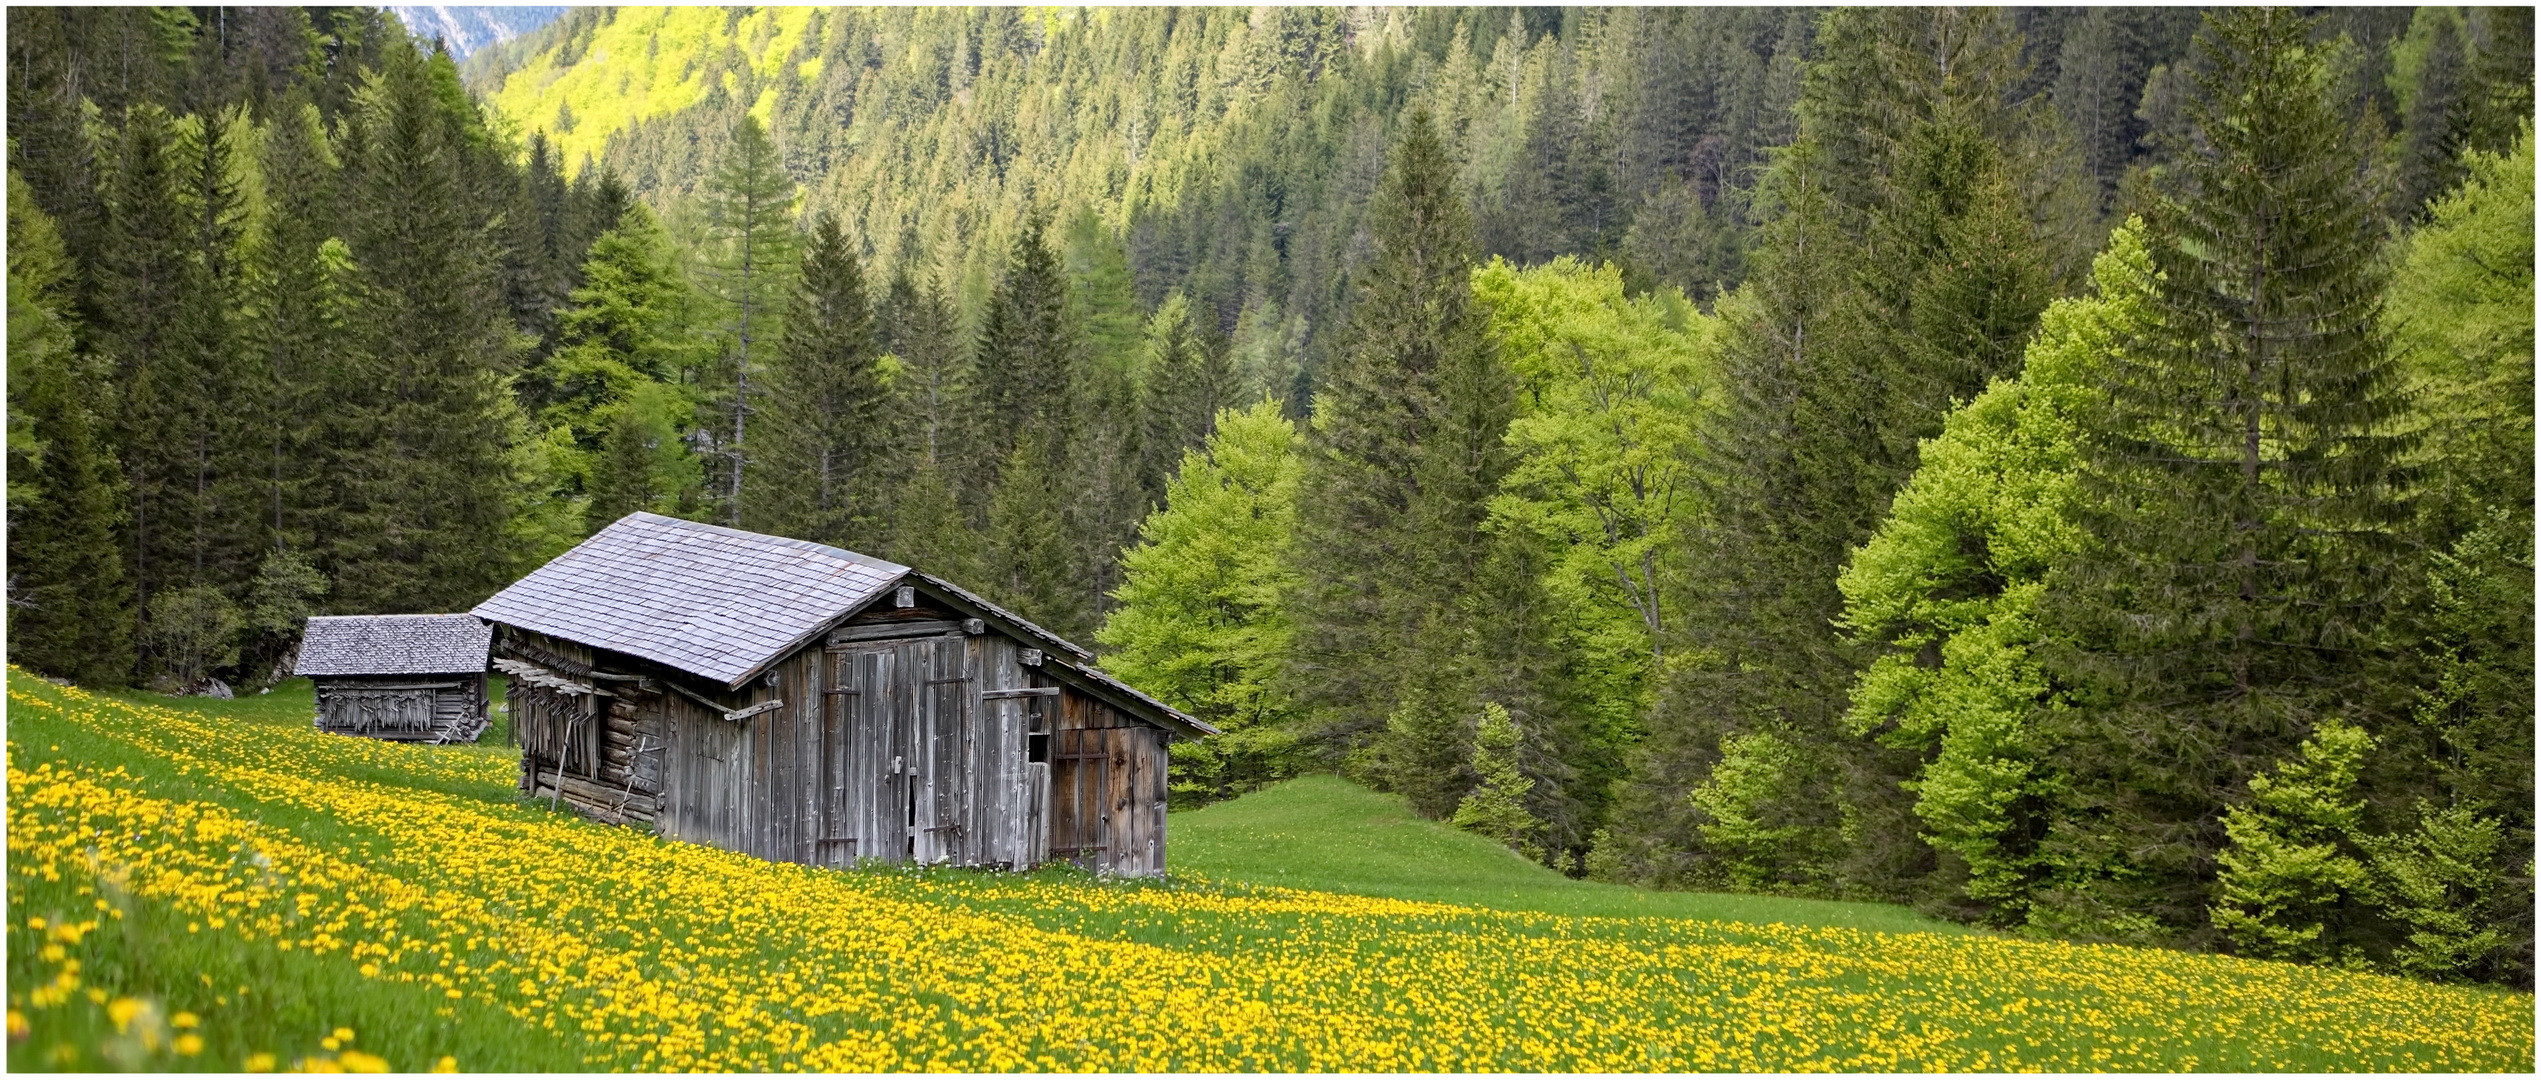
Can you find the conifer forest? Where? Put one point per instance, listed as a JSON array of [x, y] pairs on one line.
[[2067, 470]]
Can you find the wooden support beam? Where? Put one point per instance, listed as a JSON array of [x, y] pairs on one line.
[[754, 710], [881, 631]]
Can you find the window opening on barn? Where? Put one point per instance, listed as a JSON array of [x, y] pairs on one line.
[[1036, 742]]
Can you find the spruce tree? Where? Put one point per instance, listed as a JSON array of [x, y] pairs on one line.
[[1025, 370], [918, 327], [2500, 102], [1900, 270], [148, 282], [1030, 562], [1179, 394], [420, 420], [1496, 807], [823, 441], [1029, 378], [935, 514], [70, 606], [293, 327], [749, 206], [1404, 452], [2432, 121], [230, 446], [2243, 489]]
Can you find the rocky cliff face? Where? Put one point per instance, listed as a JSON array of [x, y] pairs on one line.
[[466, 29]]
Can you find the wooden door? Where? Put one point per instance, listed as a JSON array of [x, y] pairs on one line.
[[865, 790], [938, 736], [1080, 797], [895, 732]]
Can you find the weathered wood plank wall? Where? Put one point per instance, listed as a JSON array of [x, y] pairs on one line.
[[905, 736]]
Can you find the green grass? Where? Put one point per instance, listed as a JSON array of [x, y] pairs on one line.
[[561, 916], [1328, 834], [295, 701], [249, 1001]]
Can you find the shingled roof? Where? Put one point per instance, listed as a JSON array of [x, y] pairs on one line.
[[724, 604], [717, 602], [393, 645]]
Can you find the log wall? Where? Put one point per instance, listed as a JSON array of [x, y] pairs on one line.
[[403, 708]]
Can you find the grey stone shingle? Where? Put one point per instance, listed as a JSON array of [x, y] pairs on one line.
[[393, 645], [701, 598]]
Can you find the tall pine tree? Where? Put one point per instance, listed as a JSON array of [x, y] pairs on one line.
[[69, 602], [2244, 490], [823, 434], [1404, 453]]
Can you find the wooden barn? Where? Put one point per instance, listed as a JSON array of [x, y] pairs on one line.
[[807, 704], [412, 678]]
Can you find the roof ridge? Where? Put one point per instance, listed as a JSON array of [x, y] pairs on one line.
[[766, 539]]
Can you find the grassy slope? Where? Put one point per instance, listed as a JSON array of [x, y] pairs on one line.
[[1569, 989], [1326, 833], [295, 701]]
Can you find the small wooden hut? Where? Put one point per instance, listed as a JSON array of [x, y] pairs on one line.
[[410, 678], [807, 704]]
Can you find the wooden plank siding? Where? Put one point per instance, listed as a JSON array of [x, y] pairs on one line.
[[903, 734]]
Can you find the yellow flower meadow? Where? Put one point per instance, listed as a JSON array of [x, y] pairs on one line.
[[665, 956]]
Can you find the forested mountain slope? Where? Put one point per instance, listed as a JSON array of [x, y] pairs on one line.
[[1230, 149]]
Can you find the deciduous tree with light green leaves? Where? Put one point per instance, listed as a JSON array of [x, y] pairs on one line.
[[1949, 586], [2461, 313], [1199, 621], [1610, 389]]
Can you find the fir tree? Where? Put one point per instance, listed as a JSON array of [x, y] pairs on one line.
[[293, 326], [1900, 271], [935, 514], [1179, 394], [1029, 378], [749, 206], [823, 439], [1405, 450], [1496, 807], [2243, 490], [69, 603], [919, 329], [2438, 84], [1025, 373], [2500, 102], [1029, 562], [147, 284], [230, 449], [421, 421]]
